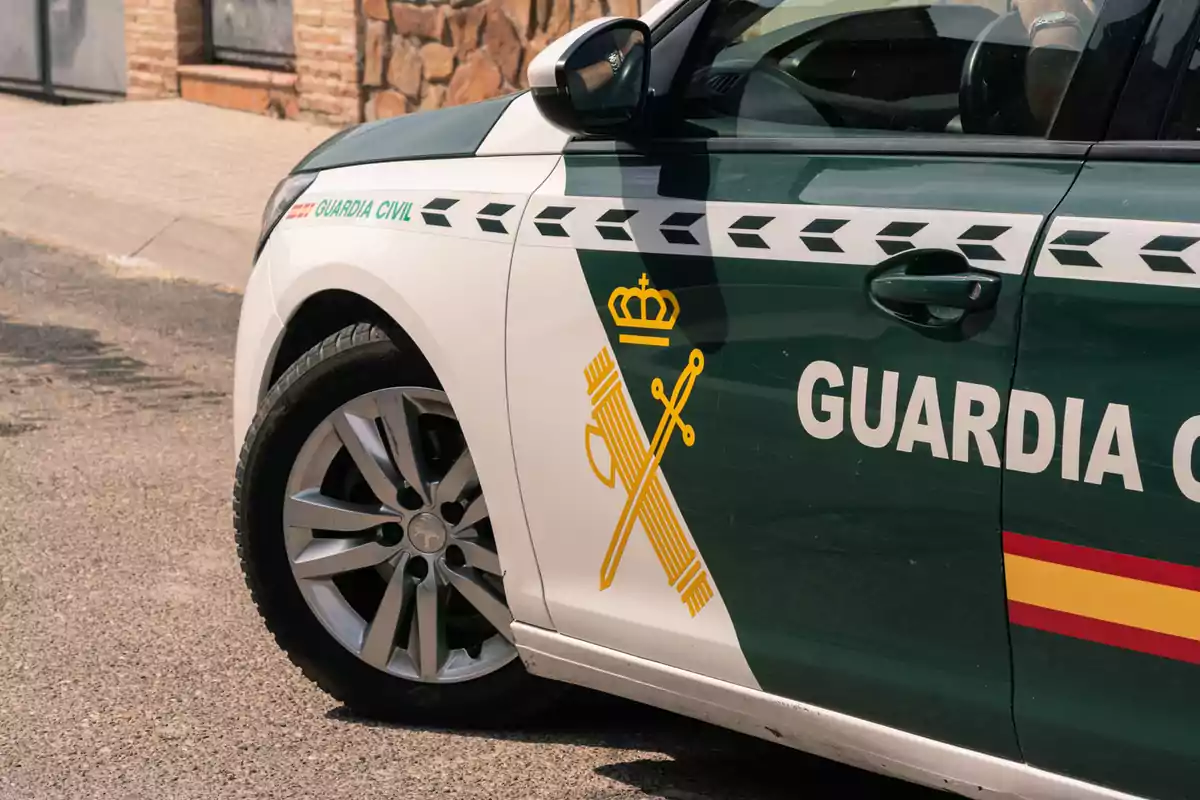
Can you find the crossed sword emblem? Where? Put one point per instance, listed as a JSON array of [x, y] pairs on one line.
[[646, 501]]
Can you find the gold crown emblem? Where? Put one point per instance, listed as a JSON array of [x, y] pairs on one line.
[[662, 318]]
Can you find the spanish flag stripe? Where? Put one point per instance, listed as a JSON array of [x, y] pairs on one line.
[[1102, 632], [1073, 555], [1099, 595]]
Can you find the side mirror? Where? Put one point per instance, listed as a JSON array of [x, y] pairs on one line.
[[596, 78]]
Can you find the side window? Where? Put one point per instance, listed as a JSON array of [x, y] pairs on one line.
[[840, 67], [1183, 120]]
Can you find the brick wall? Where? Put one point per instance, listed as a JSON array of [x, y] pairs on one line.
[[328, 46], [434, 53], [159, 36]]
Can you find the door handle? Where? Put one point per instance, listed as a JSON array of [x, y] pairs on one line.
[[932, 289], [963, 290]]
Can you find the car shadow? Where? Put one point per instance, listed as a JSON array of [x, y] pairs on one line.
[[704, 762]]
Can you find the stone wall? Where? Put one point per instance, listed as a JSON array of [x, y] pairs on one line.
[[160, 35], [358, 59], [423, 55]]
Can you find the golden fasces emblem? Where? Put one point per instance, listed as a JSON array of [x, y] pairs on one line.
[[637, 468]]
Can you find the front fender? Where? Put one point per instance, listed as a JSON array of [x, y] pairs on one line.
[[430, 243], [259, 333]]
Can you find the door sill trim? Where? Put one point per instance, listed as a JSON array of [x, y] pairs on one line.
[[830, 734]]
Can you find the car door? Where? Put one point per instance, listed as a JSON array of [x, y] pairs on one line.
[[1101, 552], [758, 365]]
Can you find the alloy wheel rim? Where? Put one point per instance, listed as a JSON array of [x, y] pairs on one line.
[[389, 539]]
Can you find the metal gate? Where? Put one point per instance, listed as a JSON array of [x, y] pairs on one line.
[[68, 48], [251, 32]]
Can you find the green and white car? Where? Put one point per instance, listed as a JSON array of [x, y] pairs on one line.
[[825, 371]]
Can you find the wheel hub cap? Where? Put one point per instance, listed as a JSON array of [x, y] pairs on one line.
[[427, 533]]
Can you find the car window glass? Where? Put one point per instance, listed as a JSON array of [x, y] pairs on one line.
[[1183, 121], [865, 67]]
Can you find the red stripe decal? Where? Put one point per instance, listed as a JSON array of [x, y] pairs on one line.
[[1122, 564], [1109, 633]]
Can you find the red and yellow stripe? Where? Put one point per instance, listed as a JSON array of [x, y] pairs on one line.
[[1112, 598]]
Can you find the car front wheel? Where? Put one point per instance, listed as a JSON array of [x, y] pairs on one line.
[[366, 543]]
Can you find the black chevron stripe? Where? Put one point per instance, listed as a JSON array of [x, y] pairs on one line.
[[980, 252], [613, 233], [983, 233], [903, 229], [1171, 244], [555, 212], [489, 217], [893, 246], [679, 236], [1161, 263], [679, 220], [1073, 258], [616, 215], [821, 244], [825, 225], [550, 229], [682, 219], [1079, 238], [495, 210], [750, 223], [748, 240], [437, 204]]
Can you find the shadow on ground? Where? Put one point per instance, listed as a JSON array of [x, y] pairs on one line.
[[79, 356], [703, 762]]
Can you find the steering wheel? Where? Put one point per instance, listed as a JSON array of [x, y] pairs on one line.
[[991, 95]]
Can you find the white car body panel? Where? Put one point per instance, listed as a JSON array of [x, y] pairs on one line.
[[815, 730], [523, 130], [447, 289], [259, 332]]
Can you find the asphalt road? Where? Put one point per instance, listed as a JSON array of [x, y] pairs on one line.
[[132, 663]]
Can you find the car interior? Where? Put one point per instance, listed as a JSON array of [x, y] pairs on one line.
[[926, 68]]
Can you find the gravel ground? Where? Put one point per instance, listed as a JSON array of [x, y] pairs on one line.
[[132, 663]]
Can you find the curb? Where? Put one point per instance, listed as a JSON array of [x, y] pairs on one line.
[[133, 240]]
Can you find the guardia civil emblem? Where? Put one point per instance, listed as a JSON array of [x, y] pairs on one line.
[[653, 313]]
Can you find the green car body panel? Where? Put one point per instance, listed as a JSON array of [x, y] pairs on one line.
[[1104, 713], [864, 580]]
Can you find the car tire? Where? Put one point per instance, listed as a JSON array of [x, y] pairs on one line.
[[353, 363]]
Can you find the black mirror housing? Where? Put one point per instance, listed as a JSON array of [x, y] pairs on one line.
[[596, 79]]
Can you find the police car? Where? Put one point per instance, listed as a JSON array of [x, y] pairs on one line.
[[825, 371]]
